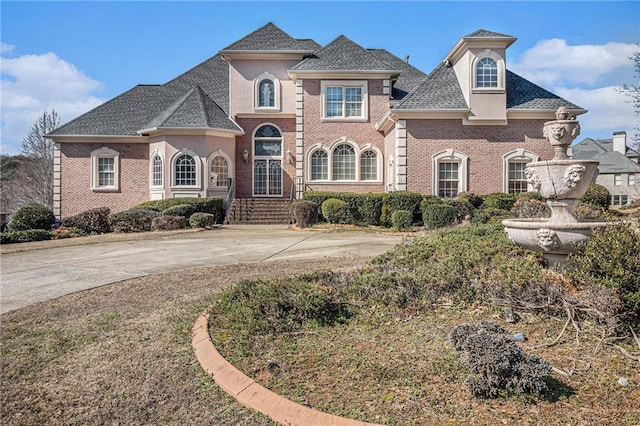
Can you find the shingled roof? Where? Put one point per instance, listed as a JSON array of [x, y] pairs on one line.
[[270, 38], [342, 54], [438, 91], [602, 150], [409, 79]]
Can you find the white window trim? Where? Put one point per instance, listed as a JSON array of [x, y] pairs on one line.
[[488, 53], [358, 152], [155, 154], [450, 155], [363, 84], [105, 152], [218, 153], [256, 93], [196, 158], [517, 155]]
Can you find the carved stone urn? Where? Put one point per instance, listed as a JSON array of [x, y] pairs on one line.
[[561, 181]]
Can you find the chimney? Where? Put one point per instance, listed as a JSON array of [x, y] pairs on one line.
[[620, 142]]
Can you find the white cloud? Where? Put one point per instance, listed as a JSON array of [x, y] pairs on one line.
[[34, 83], [6, 48], [554, 62]]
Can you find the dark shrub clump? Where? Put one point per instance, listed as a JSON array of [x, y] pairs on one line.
[[336, 211], [202, 220], [133, 220], [305, 213], [530, 208], [402, 219], [438, 215], [25, 236], [489, 215], [32, 216], [497, 363], [500, 200], [597, 195], [94, 221], [168, 223], [184, 210]]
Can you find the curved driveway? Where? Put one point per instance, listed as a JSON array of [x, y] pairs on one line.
[[37, 275]]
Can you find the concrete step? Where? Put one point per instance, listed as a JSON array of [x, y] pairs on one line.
[[258, 211]]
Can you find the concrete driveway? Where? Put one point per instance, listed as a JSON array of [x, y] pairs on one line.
[[38, 275]]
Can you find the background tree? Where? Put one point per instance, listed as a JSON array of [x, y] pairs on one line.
[[632, 91]]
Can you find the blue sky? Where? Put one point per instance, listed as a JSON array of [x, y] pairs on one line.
[[71, 56]]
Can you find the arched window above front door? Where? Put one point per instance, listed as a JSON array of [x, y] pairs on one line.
[[267, 142]]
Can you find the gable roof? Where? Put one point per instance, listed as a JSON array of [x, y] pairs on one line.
[[270, 38], [487, 34], [602, 150], [342, 54], [522, 94], [409, 79], [438, 91]]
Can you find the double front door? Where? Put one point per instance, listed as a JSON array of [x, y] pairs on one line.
[[267, 162]]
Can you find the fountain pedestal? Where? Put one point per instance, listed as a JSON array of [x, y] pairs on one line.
[[561, 182]]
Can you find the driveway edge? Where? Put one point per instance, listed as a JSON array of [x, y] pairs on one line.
[[249, 393]]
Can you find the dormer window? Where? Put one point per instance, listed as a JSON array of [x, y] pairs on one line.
[[267, 93], [488, 71]]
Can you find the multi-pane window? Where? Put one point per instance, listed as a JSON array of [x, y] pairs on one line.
[[185, 171], [219, 171], [617, 180], [344, 162], [368, 165], [448, 182], [268, 142], [517, 179], [344, 101], [486, 73], [158, 172], [106, 171], [266, 94], [620, 200], [319, 165]]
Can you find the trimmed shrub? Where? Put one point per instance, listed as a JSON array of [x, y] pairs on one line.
[[62, 232], [597, 195], [133, 220], [400, 200], [94, 221], [32, 216], [336, 211], [11, 237], [500, 200], [213, 205], [305, 213], [184, 210], [402, 219], [497, 364], [532, 195], [168, 223], [365, 209], [438, 215], [202, 220], [370, 209], [489, 215], [471, 198], [530, 208], [464, 209]]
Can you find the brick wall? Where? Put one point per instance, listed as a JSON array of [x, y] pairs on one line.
[[76, 195], [484, 145]]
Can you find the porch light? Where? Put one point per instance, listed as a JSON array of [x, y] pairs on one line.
[[245, 155], [289, 156]]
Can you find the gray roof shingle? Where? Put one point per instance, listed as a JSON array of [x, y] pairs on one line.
[[342, 54], [439, 90], [409, 79], [523, 94], [602, 150], [486, 34], [271, 38]]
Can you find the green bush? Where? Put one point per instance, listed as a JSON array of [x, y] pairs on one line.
[[597, 195], [62, 232], [213, 205], [464, 209], [438, 215], [336, 211], [94, 221], [202, 220], [402, 219], [500, 200], [364, 209], [10, 237], [305, 213], [532, 195], [530, 208], [611, 258], [184, 210], [370, 209], [471, 198], [489, 215], [400, 200], [133, 220], [168, 223], [32, 216]]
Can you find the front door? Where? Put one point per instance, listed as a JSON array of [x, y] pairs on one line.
[[267, 162]]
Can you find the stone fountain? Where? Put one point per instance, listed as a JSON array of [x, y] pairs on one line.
[[561, 181]]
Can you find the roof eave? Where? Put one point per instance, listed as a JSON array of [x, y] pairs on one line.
[[213, 131], [541, 113], [374, 74]]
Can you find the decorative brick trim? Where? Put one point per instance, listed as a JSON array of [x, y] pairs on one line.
[[57, 176], [401, 155]]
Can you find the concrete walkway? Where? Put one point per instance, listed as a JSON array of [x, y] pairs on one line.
[[37, 275]]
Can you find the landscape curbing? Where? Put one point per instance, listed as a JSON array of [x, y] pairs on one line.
[[252, 395]]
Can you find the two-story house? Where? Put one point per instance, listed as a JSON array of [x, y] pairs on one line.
[[270, 116]]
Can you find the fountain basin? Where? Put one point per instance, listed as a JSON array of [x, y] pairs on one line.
[[561, 179], [554, 240]]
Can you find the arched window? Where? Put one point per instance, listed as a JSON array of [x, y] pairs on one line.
[[185, 172], [449, 173], [368, 165], [486, 73], [266, 96], [105, 169], [157, 171], [514, 163], [319, 165], [267, 161], [218, 171], [344, 162]]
